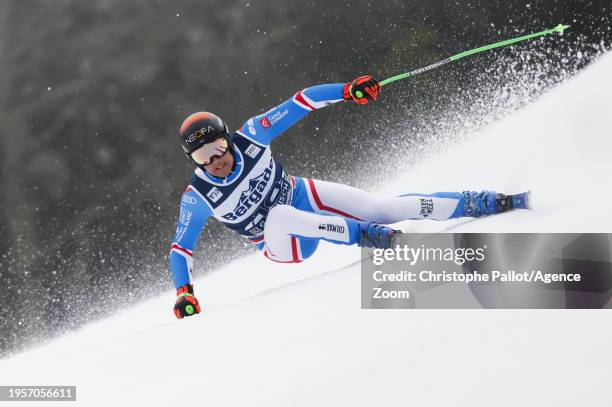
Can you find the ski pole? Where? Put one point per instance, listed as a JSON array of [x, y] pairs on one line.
[[558, 29]]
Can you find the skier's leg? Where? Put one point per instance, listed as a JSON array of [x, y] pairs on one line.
[[292, 235], [332, 198], [287, 249]]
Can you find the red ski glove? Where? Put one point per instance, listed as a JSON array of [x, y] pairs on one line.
[[361, 90], [186, 304]]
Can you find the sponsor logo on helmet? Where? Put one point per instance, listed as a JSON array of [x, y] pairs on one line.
[[214, 194], [252, 195], [200, 133]]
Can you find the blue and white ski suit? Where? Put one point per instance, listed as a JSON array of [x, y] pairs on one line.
[[286, 216]]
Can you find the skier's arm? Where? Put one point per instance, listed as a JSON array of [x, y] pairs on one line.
[[193, 215], [267, 126]]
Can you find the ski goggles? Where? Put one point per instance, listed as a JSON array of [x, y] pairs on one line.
[[205, 154]]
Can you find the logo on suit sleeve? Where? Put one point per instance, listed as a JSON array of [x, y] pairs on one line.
[[265, 122], [214, 194], [251, 126], [188, 200]]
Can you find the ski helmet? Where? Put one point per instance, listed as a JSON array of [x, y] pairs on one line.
[[201, 128]]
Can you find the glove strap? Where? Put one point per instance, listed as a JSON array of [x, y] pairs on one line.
[[346, 91], [185, 291]]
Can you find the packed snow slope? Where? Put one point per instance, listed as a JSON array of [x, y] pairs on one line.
[[286, 335]]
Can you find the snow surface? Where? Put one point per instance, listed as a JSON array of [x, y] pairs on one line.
[[287, 335]]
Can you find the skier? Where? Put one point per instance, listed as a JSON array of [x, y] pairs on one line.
[[239, 183]]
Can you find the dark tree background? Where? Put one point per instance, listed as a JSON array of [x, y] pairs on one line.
[[92, 94]]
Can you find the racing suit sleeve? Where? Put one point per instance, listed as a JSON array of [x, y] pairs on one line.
[[267, 126], [192, 218]]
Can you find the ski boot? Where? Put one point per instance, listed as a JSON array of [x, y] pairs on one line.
[[484, 203], [518, 201], [377, 236]]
